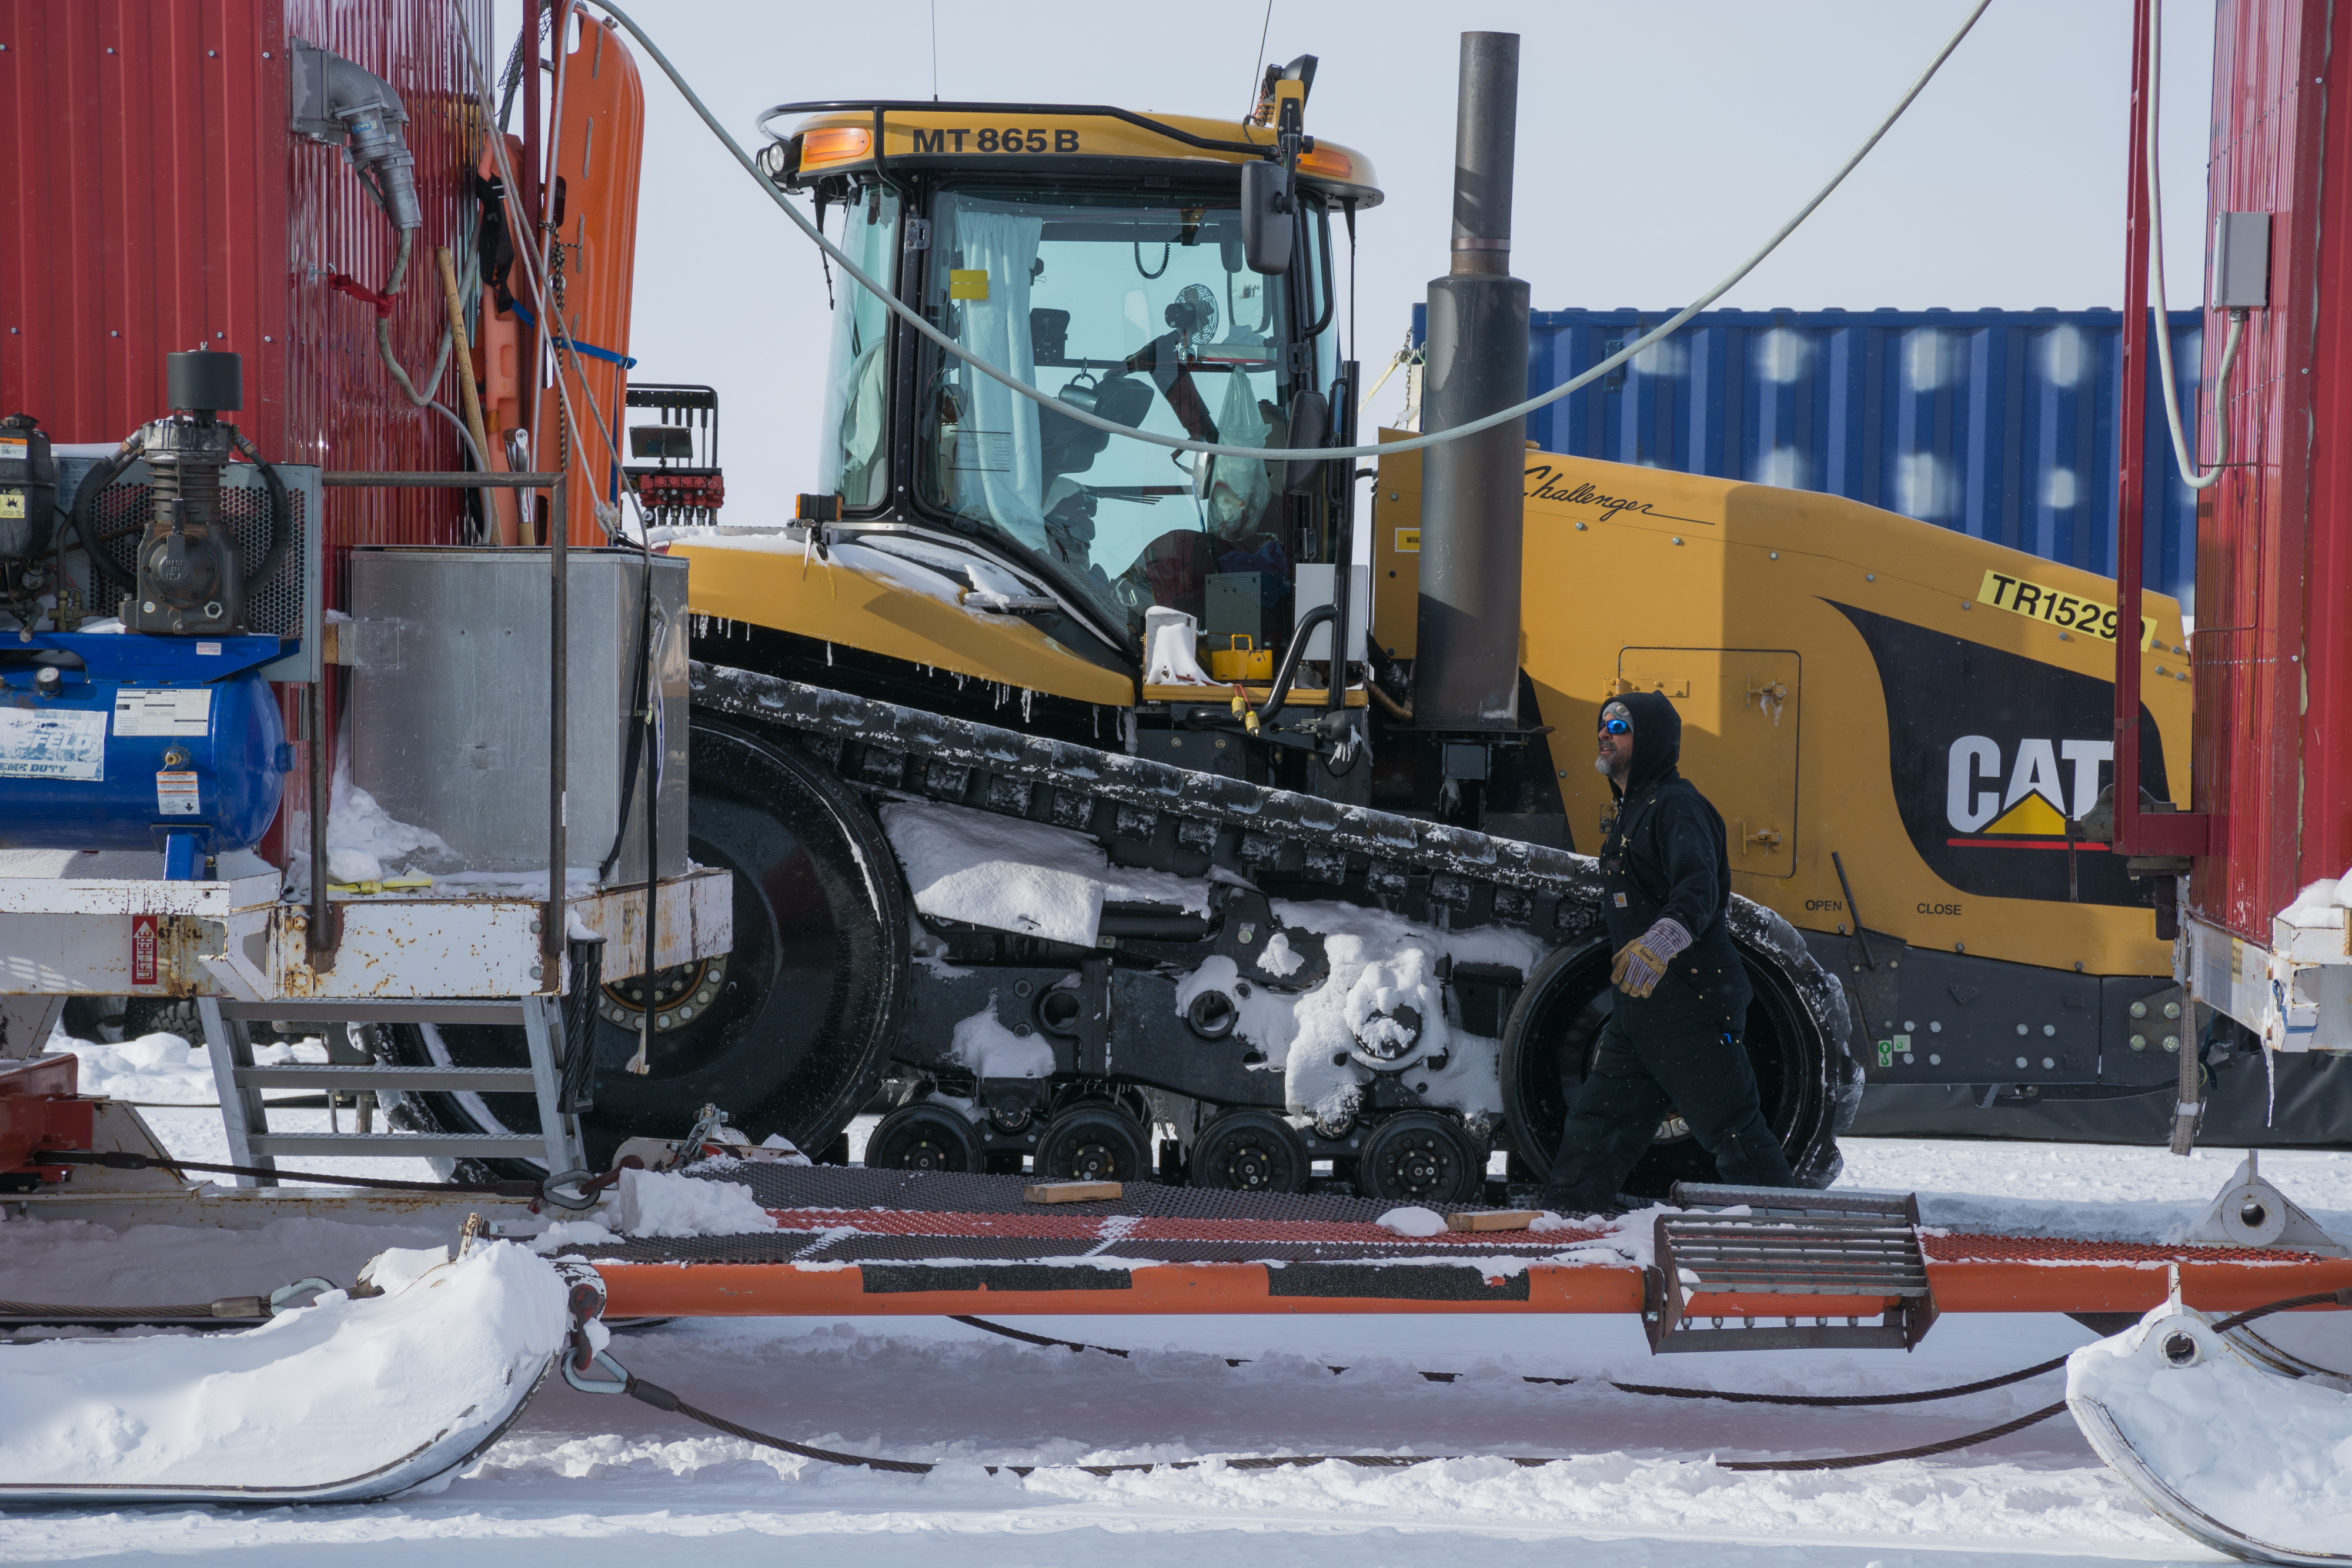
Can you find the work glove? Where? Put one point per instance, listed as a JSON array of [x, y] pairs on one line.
[[1642, 964]]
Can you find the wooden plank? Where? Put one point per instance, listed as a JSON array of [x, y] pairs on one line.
[[1494, 1220], [1070, 1191]]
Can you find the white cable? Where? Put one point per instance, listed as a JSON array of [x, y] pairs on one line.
[[2181, 456], [1276, 453], [463, 435]]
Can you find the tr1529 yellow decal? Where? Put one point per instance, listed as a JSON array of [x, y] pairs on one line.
[[2070, 611]]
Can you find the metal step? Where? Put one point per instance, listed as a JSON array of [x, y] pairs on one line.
[[1793, 1244], [245, 1114], [315, 1074]]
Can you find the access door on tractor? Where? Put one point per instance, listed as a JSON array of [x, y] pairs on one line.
[[1739, 711]]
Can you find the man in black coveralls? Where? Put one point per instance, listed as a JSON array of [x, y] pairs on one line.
[[1672, 1039]]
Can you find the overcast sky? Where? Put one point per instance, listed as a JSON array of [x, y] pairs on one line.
[[1659, 144]]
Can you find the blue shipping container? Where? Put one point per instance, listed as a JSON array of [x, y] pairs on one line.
[[2000, 423]]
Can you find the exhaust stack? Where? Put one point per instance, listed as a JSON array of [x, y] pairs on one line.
[[1467, 676]]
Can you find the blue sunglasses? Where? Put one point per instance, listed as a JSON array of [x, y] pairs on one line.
[[1616, 727]]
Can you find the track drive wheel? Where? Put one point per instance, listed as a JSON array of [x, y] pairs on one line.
[[789, 1032], [1251, 1151], [1093, 1139], [1420, 1156], [924, 1136], [1550, 1038]]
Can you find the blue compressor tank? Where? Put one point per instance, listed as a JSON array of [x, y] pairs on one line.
[[120, 741]]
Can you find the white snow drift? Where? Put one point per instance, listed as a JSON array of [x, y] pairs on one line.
[[346, 1398]]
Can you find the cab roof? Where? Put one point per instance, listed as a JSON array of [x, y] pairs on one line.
[[840, 137]]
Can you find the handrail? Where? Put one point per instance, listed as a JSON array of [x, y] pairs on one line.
[[1103, 111]]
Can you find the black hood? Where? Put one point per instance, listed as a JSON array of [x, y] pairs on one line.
[[1657, 739]]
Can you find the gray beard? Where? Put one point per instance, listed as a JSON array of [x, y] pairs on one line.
[[1601, 766]]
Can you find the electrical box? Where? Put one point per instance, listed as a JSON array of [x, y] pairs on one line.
[[2242, 262], [1237, 606], [1314, 590]]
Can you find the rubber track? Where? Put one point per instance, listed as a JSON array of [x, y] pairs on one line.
[[1138, 782], [1554, 893]]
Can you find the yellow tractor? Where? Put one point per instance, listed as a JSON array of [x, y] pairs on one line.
[[1087, 816]]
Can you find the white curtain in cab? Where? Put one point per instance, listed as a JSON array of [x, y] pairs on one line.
[[998, 469]]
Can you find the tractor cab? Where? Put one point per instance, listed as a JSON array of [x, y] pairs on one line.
[[1103, 257]]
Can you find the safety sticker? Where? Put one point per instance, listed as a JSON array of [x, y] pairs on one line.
[[15, 449], [966, 283], [175, 795], [53, 742], [143, 949], [2068, 611], [1408, 541], [169, 711], [983, 452], [12, 503]]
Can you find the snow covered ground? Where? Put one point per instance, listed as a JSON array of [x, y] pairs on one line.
[[593, 1480]]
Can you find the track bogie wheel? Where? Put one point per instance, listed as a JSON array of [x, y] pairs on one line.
[[1421, 1156], [924, 1136], [1093, 1140], [1251, 1151]]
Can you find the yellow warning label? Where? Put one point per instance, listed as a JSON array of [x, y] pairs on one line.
[[966, 283], [12, 503], [2068, 611], [1408, 541]]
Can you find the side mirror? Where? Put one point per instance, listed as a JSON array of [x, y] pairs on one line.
[[1310, 426], [1268, 217]]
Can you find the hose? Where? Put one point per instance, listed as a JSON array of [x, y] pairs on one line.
[[281, 510], [384, 335], [915, 319], [2181, 457]]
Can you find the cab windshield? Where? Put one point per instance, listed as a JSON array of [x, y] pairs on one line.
[[1144, 315]]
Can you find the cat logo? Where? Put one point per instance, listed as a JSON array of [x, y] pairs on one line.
[[2031, 812], [1990, 755]]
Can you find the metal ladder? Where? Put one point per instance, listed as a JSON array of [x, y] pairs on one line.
[[245, 1116]]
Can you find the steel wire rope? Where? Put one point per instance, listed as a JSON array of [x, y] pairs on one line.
[[127, 1160], [661, 1398], [915, 319], [1657, 1390], [2162, 327]]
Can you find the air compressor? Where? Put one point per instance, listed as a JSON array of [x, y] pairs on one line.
[[158, 732]]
